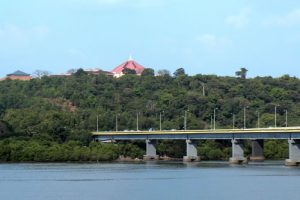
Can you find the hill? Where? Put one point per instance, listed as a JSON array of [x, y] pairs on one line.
[[64, 109]]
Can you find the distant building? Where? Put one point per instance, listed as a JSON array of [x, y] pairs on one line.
[[97, 71], [18, 75], [129, 64], [61, 75], [94, 71]]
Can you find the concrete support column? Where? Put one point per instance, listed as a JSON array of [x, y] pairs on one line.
[[237, 152], [151, 150], [294, 153], [257, 151], [191, 151]]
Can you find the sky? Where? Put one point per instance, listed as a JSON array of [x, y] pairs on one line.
[[203, 37]]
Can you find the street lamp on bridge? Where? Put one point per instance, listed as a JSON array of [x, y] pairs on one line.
[[233, 120], [117, 121], [245, 117], [286, 118], [211, 122], [275, 116], [258, 119], [97, 123], [137, 121], [215, 109], [185, 119], [160, 119]]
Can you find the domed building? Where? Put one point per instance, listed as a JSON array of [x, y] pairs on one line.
[[129, 64]]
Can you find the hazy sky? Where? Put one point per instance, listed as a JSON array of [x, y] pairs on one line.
[[208, 37]]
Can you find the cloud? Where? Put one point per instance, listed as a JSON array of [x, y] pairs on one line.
[[13, 34], [291, 18], [213, 42], [239, 20]]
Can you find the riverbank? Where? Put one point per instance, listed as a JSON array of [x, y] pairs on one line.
[[33, 150]]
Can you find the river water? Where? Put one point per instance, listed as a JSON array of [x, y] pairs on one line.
[[149, 181]]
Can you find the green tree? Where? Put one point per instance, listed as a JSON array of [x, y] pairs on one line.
[[128, 71], [80, 72], [163, 72], [179, 72], [242, 73], [148, 72]]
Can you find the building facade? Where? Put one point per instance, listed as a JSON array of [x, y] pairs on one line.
[[18, 75]]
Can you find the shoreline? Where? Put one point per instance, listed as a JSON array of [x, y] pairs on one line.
[[132, 160]]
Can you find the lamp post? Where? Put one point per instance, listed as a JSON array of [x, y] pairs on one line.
[[97, 123], [117, 122], [160, 118], [275, 116], [233, 120], [185, 120], [244, 117], [211, 122], [215, 118], [286, 118], [137, 121], [258, 120]]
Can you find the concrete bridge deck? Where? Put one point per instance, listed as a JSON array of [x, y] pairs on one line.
[[261, 133], [237, 137]]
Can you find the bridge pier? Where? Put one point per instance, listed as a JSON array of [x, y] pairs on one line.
[[294, 153], [191, 151], [151, 150], [257, 151], [237, 152]]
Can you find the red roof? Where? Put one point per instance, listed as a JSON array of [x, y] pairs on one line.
[[130, 64]]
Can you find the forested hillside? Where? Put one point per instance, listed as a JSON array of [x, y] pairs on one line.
[[55, 111]]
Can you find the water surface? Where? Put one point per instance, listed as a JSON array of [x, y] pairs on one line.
[[149, 181]]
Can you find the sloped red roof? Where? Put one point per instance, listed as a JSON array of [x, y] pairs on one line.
[[130, 64], [18, 73]]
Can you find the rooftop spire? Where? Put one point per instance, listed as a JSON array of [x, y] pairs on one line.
[[130, 58]]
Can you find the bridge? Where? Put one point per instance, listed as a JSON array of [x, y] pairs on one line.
[[237, 137]]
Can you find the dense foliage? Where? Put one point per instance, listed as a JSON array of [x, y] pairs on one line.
[[57, 114], [44, 151]]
